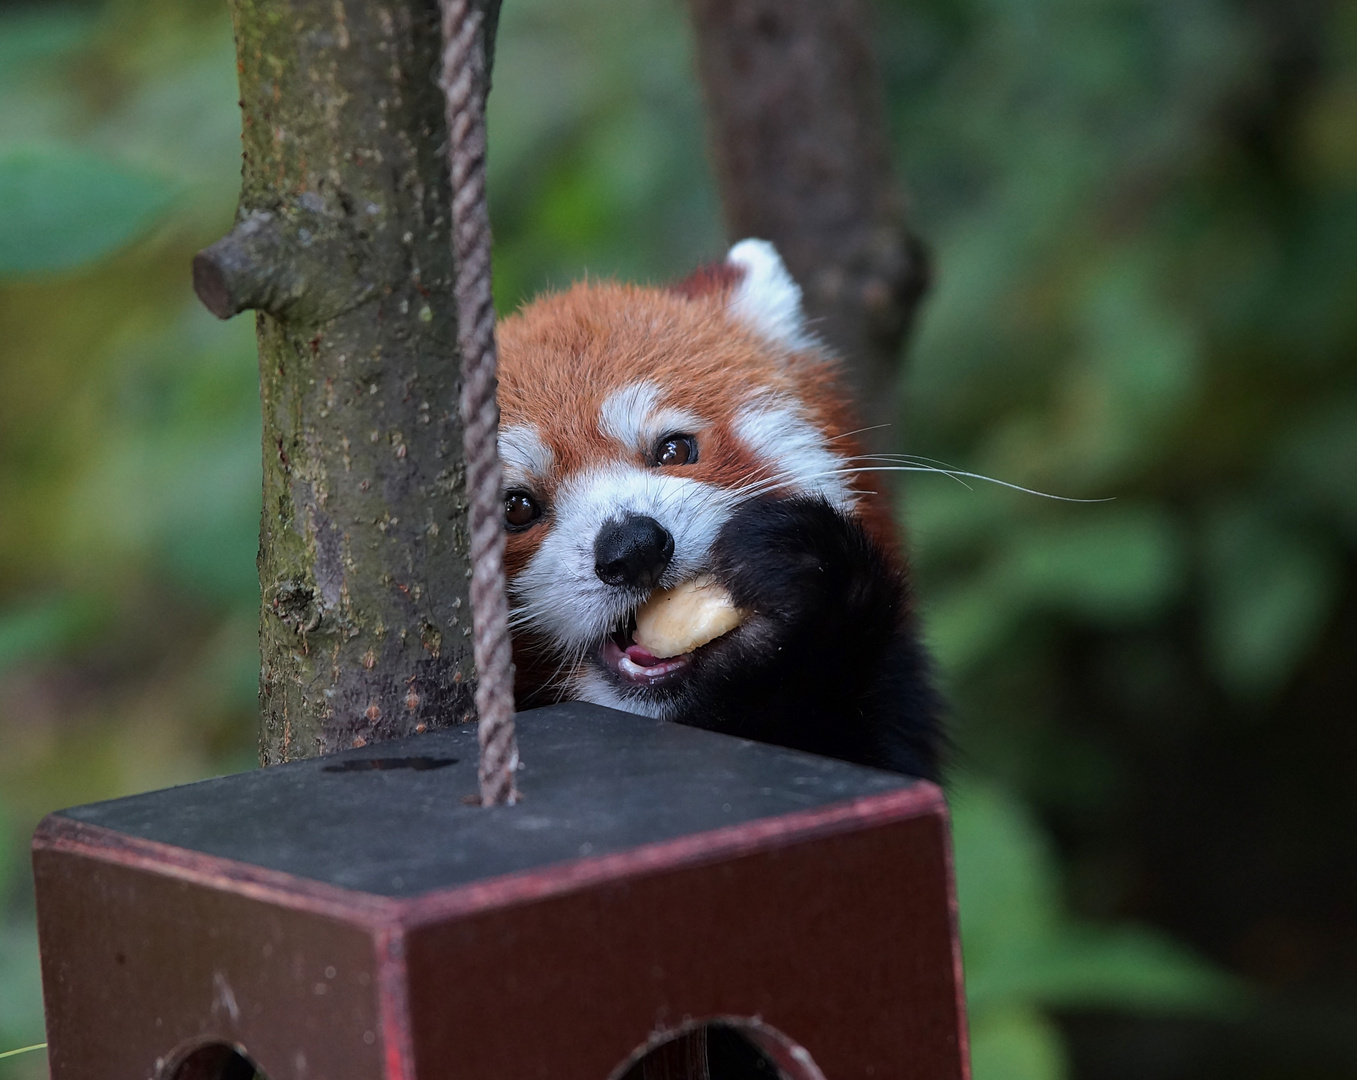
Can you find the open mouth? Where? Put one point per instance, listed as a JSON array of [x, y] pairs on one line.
[[659, 641], [635, 665]]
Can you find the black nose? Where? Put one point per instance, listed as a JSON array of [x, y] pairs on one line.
[[633, 551]]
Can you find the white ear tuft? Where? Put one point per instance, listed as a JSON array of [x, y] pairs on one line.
[[767, 299]]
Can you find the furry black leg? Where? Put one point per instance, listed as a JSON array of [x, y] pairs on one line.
[[828, 659]]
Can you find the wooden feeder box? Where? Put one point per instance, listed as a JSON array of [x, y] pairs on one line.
[[353, 917]]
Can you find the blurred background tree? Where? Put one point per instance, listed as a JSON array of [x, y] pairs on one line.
[[1144, 222]]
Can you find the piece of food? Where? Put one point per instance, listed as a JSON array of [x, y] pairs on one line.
[[679, 620]]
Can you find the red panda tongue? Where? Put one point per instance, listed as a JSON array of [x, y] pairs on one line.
[[641, 657]]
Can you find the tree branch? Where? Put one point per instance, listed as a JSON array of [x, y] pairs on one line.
[[342, 245], [800, 147]]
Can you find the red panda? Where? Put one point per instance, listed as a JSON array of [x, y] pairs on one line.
[[650, 435]]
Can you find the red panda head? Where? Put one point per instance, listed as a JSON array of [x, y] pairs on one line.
[[634, 422]]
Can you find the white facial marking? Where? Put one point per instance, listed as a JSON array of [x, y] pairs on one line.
[[767, 299], [634, 417], [558, 593], [523, 454], [624, 413], [794, 451]]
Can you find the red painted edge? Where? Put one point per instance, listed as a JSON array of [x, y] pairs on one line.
[[954, 927], [398, 1041], [61, 834], [764, 834]]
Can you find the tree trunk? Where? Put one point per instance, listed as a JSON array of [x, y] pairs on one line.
[[801, 152], [342, 245]]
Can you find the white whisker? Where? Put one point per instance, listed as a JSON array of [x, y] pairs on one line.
[[955, 474]]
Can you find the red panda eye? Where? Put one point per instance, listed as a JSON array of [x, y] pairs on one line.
[[520, 510], [676, 450]]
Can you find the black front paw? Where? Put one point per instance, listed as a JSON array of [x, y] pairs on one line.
[[808, 573], [826, 658]]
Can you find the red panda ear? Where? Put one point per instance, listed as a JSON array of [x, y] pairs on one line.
[[762, 294], [766, 298], [708, 280]]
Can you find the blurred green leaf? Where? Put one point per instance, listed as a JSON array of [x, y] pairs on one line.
[[1316, 466], [1006, 878], [968, 621], [43, 627], [1143, 351], [177, 486], [182, 121], [1022, 949], [1112, 563], [946, 519], [1016, 1043], [1271, 589], [187, 502], [1129, 968], [9, 854], [65, 207], [36, 35], [21, 1015]]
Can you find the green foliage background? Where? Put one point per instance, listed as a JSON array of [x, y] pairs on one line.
[[1144, 218]]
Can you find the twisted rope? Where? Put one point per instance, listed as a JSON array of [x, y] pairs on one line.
[[464, 86]]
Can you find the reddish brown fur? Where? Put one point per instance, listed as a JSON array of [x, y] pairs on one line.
[[718, 277]]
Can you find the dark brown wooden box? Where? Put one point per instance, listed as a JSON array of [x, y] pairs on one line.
[[352, 917]]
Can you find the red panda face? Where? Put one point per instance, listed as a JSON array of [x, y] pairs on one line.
[[634, 423]]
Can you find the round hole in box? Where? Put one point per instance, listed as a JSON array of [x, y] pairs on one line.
[[214, 1061], [724, 1048]]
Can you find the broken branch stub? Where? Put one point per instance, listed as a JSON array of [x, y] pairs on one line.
[[288, 264]]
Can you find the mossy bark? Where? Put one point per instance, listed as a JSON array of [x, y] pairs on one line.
[[342, 247]]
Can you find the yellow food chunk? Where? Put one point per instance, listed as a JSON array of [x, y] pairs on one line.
[[679, 620]]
